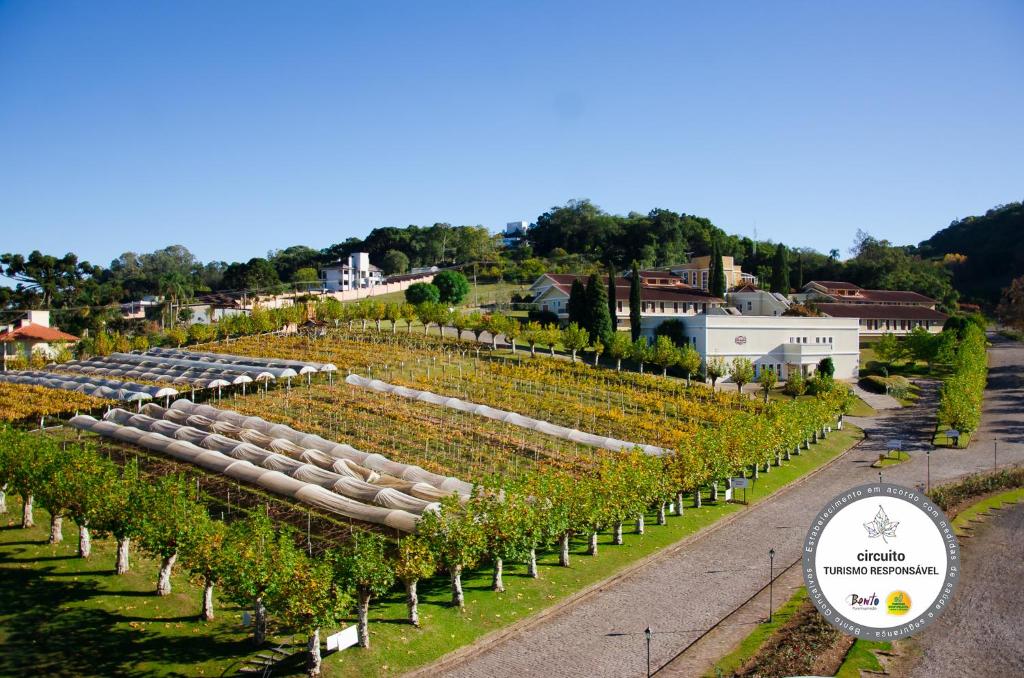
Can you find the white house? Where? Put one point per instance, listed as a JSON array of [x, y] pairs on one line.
[[780, 343], [750, 300], [357, 273], [32, 335]]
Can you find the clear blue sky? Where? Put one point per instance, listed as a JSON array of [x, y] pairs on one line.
[[238, 127]]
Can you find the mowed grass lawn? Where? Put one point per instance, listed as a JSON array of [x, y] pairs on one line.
[[101, 624]]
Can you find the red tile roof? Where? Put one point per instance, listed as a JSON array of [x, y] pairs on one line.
[[834, 285], [33, 332], [881, 312], [676, 292], [894, 296]]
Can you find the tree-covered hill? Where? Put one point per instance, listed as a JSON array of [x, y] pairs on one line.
[[990, 249]]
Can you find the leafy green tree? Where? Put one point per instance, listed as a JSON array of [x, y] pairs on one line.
[[409, 315], [33, 460], [715, 369], [780, 270], [576, 306], [306, 277], [513, 330], [613, 302], [664, 354], [501, 517], [456, 539], [689, 361], [202, 553], [452, 285], [419, 293], [257, 563], [65, 474], [496, 324], [796, 385], [635, 301], [768, 379], [533, 334], [414, 562], [395, 262], [889, 349], [718, 286], [170, 513], [827, 367], [575, 339], [599, 321], [742, 372], [310, 598], [120, 512], [550, 337], [364, 563], [640, 352], [92, 474], [618, 348]]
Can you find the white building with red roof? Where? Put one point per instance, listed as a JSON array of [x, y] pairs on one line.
[[32, 335], [877, 311]]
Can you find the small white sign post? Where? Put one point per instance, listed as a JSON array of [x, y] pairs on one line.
[[954, 435], [740, 484], [343, 639]]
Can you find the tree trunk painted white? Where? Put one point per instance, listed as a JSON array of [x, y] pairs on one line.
[[533, 350], [457, 598], [714, 491], [207, 614], [617, 533], [551, 348], [26, 513], [84, 542], [757, 471], [641, 368], [814, 437], [662, 520], [597, 357], [163, 582], [563, 550], [364, 617], [121, 565], [260, 629], [3, 499], [574, 355], [696, 498], [664, 370], [618, 364], [807, 444], [497, 584], [796, 450], [56, 528], [767, 467], [778, 458], [314, 661], [592, 544], [640, 524], [786, 456], [531, 564], [412, 602]]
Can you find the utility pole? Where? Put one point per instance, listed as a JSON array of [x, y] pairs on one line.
[[647, 635], [771, 578]]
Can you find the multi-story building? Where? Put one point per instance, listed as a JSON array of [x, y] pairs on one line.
[[356, 273], [698, 273], [877, 311], [658, 301]]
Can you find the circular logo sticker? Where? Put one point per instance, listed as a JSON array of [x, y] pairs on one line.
[[881, 561]]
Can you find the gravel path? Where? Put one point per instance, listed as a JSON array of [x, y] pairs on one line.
[[981, 628], [683, 594]]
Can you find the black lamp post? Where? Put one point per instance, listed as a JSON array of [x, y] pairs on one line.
[[771, 577], [647, 635]]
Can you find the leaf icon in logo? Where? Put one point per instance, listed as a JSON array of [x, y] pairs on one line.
[[881, 526]]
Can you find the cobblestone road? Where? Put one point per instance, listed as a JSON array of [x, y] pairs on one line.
[[682, 595]]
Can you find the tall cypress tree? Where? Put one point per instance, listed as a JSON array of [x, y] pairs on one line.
[[718, 281], [712, 266], [780, 270], [600, 326], [612, 301], [800, 271], [634, 302], [577, 305]]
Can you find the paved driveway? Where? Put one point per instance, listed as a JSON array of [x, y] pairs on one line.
[[688, 591]]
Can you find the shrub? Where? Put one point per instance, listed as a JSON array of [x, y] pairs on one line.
[[419, 293], [796, 385], [452, 285], [948, 496]]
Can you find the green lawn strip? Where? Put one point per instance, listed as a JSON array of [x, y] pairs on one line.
[[61, 615], [891, 459], [861, 409], [861, 657], [750, 645], [398, 647], [103, 624], [966, 515]]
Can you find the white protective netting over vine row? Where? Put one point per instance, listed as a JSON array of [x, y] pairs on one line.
[[330, 476], [301, 366], [89, 385], [545, 427]]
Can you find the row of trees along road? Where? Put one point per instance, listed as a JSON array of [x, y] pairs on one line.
[[262, 567]]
